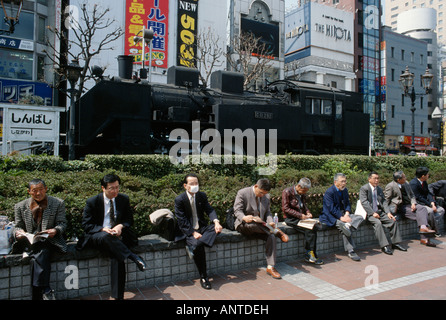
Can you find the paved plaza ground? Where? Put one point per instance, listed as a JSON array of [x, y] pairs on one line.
[[418, 274]]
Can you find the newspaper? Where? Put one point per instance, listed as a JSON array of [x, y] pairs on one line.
[[307, 223]]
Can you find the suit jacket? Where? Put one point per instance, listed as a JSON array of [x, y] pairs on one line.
[[366, 198], [393, 195], [438, 189], [421, 192], [53, 217], [93, 218], [332, 205], [183, 213], [245, 204]]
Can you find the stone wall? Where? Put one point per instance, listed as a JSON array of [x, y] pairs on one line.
[[168, 262]]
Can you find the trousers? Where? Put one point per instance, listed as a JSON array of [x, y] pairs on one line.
[[258, 231], [207, 239], [118, 253]]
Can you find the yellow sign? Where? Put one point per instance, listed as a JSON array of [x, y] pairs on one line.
[[444, 133]]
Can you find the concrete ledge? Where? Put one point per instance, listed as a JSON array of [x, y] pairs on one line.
[[87, 272]]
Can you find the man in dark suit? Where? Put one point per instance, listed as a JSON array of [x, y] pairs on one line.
[[40, 214], [190, 209], [336, 212], [424, 197], [401, 201], [438, 190], [106, 221], [379, 215]]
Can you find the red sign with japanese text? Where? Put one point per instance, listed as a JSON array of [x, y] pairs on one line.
[[418, 140], [148, 14]]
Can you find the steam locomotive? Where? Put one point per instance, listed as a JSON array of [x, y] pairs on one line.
[[125, 116]]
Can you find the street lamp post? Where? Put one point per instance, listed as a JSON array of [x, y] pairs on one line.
[[406, 80], [146, 39], [11, 10], [73, 74]]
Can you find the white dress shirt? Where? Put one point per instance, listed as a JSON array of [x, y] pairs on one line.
[[107, 222]]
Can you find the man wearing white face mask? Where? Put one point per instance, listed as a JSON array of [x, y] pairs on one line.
[[190, 209]]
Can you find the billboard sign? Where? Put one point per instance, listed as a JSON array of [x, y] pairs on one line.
[[148, 14]]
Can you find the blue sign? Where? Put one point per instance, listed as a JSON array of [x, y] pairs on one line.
[[13, 43], [12, 90]]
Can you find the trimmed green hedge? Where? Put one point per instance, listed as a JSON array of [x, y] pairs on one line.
[[152, 181]]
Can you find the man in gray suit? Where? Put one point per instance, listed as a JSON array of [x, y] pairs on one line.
[[44, 214], [402, 201], [253, 218], [379, 215]]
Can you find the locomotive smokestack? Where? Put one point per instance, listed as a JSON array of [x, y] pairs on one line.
[[125, 65]]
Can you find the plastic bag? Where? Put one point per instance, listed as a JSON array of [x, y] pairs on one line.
[[6, 235]]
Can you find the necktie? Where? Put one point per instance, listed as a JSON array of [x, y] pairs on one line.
[[375, 201], [258, 205], [112, 214], [194, 214]]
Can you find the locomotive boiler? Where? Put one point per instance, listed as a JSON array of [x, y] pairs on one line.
[[125, 116]]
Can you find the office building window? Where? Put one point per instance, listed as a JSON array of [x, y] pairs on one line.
[[16, 64], [25, 30], [41, 29]]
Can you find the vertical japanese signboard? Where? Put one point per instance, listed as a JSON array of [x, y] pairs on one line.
[[148, 14], [187, 32]]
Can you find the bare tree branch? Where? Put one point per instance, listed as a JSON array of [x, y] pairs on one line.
[[208, 52], [250, 56], [83, 44]]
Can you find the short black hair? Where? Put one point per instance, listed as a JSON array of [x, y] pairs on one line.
[[372, 173], [264, 184], [190, 175], [421, 171], [109, 178]]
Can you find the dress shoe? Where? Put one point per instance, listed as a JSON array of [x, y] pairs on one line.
[[386, 250], [399, 247], [139, 262], [49, 295], [281, 235], [426, 230], [205, 284], [273, 273], [427, 243]]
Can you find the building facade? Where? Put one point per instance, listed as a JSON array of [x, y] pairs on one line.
[[395, 7], [319, 46], [23, 59], [398, 52], [420, 24], [208, 17]]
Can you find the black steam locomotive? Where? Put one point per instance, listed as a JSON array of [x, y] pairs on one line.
[[125, 116]]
